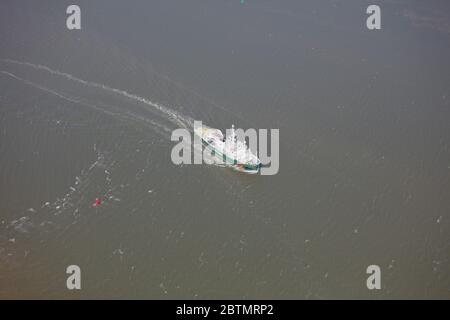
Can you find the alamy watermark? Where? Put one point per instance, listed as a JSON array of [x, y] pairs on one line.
[[374, 280], [373, 22], [74, 280], [73, 21], [183, 152]]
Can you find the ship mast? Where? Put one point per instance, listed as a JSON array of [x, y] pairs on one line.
[[233, 138]]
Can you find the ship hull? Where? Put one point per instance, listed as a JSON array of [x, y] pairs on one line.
[[225, 159]]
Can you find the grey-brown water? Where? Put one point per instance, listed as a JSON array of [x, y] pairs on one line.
[[364, 119]]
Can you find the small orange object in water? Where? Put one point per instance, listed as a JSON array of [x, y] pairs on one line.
[[97, 202]]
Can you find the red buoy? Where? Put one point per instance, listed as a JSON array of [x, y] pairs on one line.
[[97, 202]]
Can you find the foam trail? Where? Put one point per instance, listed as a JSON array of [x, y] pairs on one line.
[[130, 116], [180, 120], [35, 85]]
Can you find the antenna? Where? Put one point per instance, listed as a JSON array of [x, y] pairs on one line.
[[233, 139]]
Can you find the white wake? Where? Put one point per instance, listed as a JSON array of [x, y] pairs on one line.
[[171, 115]]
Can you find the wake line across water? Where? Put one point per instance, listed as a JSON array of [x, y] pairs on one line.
[[129, 115], [64, 97], [171, 115]]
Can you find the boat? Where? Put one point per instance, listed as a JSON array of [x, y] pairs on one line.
[[229, 150]]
